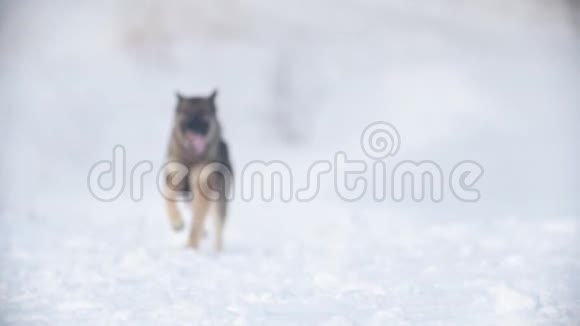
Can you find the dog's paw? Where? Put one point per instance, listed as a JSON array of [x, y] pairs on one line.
[[192, 245], [177, 225]]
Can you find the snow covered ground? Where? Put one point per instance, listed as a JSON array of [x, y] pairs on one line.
[[284, 265], [480, 80]]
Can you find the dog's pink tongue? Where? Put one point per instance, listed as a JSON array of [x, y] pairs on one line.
[[197, 141]]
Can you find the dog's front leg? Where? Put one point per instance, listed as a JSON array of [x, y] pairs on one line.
[[171, 208], [220, 220], [173, 213], [199, 206]]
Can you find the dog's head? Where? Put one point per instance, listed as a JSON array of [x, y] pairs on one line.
[[196, 122]]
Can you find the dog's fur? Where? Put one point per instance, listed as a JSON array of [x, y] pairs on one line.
[[196, 143]]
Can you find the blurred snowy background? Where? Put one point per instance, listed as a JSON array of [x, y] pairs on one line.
[[484, 80]]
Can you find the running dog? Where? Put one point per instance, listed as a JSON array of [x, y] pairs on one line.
[[198, 166]]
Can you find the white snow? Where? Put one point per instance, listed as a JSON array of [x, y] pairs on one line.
[[481, 80], [508, 300]]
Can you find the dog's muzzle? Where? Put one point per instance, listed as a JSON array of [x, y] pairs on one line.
[[198, 125]]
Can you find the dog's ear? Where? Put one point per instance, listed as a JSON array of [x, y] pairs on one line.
[[178, 96], [212, 98], [213, 95]]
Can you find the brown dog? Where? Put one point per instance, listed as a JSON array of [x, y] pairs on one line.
[[198, 166]]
